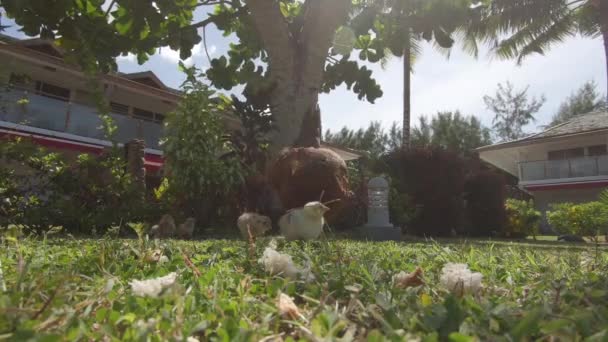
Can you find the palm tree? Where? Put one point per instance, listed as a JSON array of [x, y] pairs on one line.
[[519, 28], [407, 24]]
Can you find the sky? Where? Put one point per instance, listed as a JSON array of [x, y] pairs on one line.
[[438, 83]]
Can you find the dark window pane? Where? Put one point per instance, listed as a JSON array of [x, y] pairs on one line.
[[575, 153], [598, 150], [566, 154], [143, 114], [119, 108], [52, 91]]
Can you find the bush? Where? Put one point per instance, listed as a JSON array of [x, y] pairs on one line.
[[203, 172], [587, 219], [485, 204], [434, 181], [41, 189], [522, 218]]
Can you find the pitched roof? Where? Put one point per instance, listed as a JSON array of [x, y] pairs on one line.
[[583, 123], [49, 48]]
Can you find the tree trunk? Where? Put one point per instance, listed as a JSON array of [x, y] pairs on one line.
[[407, 72], [603, 9], [297, 64]]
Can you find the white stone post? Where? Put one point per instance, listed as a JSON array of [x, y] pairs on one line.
[[377, 206]]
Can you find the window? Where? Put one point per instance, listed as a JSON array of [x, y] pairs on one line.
[[143, 114], [19, 80], [119, 108], [52, 91], [567, 154], [598, 150], [147, 115]]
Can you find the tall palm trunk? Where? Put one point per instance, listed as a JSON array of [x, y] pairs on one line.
[[603, 9], [407, 82]]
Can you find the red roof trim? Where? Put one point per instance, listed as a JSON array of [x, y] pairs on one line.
[[152, 162]]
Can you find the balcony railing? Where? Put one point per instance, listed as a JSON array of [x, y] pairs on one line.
[[563, 169], [61, 116]]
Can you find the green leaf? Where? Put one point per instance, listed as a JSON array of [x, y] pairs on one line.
[[528, 325]]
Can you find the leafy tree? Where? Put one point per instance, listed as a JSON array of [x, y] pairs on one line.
[[586, 99], [201, 167], [513, 110], [519, 28], [282, 49], [373, 139], [451, 130]]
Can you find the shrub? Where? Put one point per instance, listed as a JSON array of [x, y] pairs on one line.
[[434, 180], [587, 219], [485, 204], [41, 189], [522, 218], [202, 168]]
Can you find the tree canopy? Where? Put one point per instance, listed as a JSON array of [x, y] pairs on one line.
[[286, 51], [513, 110], [451, 131], [374, 139], [584, 100], [520, 28]]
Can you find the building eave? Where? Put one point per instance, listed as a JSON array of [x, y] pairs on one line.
[[33, 56], [532, 140]]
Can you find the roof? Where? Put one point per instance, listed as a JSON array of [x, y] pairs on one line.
[[46, 47], [579, 124], [346, 154], [147, 77]]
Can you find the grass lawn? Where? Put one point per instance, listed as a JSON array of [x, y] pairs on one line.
[[79, 290]]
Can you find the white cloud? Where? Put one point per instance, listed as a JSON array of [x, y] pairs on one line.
[[197, 51]]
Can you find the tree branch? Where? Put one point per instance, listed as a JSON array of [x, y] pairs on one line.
[[274, 33], [321, 20]]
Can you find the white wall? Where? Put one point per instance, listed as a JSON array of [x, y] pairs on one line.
[[539, 151]]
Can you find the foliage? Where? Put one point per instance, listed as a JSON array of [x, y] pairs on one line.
[[434, 181], [523, 218], [586, 99], [202, 168], [220, 294], [513, 110], [587, 219], [517, 29], [251, 142], [402, 209], [485, 204], [451, 131], [374, 139], [89, 195]]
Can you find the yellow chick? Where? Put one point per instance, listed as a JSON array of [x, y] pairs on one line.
[[304, 223]]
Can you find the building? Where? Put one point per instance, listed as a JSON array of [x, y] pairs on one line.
[[564, 163], [51, 101]]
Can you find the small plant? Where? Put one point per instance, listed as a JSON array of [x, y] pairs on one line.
[[202, 170], [522, 218], [587, 219]]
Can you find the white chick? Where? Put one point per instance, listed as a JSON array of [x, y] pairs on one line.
[[304, 223], [258, 224]]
